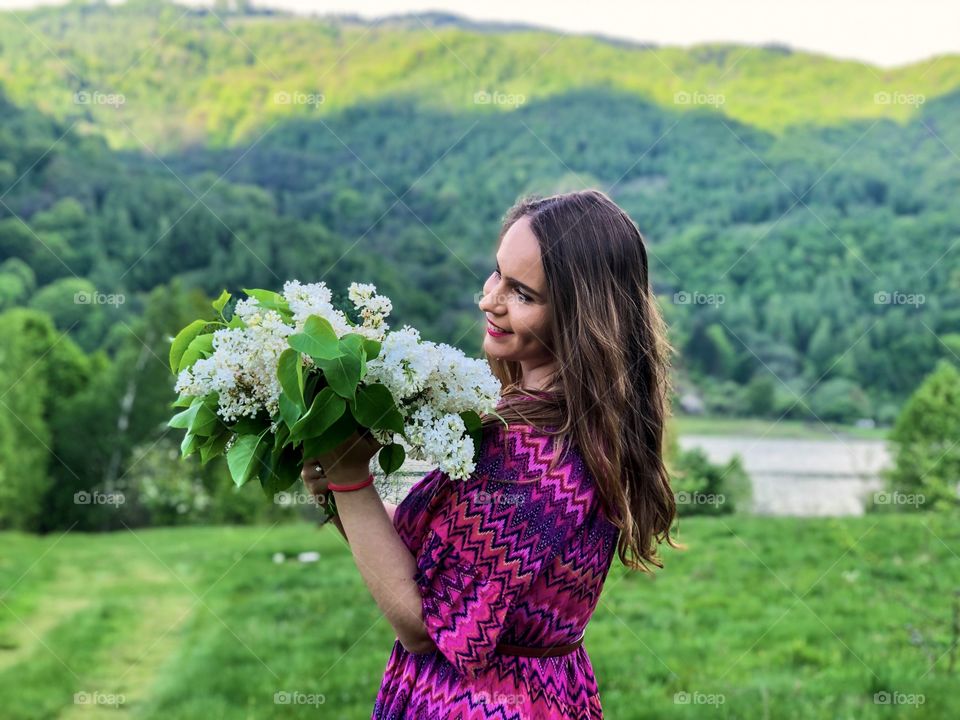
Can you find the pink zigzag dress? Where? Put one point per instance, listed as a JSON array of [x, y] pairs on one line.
[[502, 560]]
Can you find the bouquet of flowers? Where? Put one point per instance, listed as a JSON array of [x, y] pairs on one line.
[[288, 376]]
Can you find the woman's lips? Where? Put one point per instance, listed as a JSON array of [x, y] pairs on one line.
[[495, 331]]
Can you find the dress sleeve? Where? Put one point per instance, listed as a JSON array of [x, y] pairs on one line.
[[499, 530]]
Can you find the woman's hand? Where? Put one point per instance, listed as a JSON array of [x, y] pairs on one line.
[[313, 478], [347, 463]]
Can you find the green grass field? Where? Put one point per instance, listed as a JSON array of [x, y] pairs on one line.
[[782, 618], [773, 429]]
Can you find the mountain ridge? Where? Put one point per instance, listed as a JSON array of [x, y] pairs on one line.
[[179, 75]]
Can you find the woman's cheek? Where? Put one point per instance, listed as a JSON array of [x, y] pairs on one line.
[[536, 326]]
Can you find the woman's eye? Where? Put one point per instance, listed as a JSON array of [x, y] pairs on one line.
[[523, 297]]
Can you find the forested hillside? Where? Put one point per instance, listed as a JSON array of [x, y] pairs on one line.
[[804, 238], [169, 75]]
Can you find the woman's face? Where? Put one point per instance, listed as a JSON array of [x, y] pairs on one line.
[[514, 299]]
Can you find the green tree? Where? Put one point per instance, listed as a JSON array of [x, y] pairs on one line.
[[838, 400], [124, 407], [759, 395], [40, 370], [925, 442], [701, 487]]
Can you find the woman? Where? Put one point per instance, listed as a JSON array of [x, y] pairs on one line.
[[490, 582]]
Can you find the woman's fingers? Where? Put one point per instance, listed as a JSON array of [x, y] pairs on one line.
[[316, 486], [358, 448], [314, 480], [353, 452], [312, 469]]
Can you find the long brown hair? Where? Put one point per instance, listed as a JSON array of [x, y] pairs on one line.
[[610, 396]]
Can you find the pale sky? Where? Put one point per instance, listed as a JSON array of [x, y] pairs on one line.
[[882, 32]]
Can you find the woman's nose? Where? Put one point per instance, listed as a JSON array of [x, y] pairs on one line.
[[487, 298], [491, 300]]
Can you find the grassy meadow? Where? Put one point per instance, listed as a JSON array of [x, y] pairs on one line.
[[796, 210], [757, 618], [774, 429]]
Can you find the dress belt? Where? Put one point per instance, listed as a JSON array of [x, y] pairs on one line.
[[526, 651]]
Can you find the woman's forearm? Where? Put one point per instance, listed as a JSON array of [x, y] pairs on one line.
[[339, 525], [385, 563], [389, 507]]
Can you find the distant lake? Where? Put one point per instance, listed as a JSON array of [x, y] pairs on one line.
[[802, 477]]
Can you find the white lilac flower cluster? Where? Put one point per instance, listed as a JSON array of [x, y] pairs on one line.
[[243, 367], [431, 382], [373, 308], [315, 299], [445, 437]]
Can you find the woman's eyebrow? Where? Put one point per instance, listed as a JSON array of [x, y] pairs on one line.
[[517, 283]]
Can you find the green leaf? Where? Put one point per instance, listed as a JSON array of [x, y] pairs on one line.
[[266, 298], [353, 341], [475, 429], [391, 457], [205, 422], [189, 444], [290, 375], [214, 447], [334, 436], [371, 348], [183, 401], [312, 381], [221, 302], [353, 344], [280, 437], [374, 407], [236, 322], [199, 347], [270, 300], [245, 456], [182, 341], [289, 411], [472, 420], [325, 410], [280, 472], [343, 371], [246, 425], [184, 419], [318, 339]]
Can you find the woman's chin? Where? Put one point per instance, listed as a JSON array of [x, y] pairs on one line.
[[495, 348]]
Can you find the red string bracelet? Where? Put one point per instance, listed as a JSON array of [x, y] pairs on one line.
[[350, 488]]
